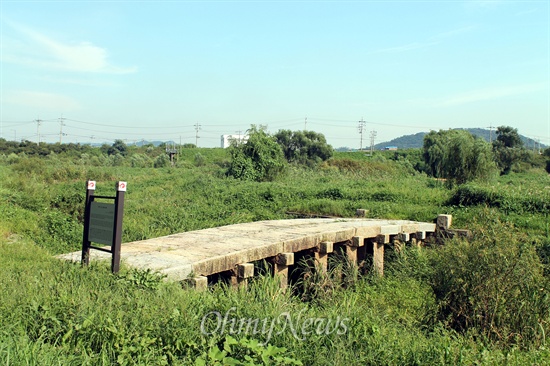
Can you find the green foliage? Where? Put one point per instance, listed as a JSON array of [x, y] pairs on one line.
[[244, 352], [508, 148], [457, 156], [520, 201], [462, 303], [304, 147], [145, 279], [161, 161], [118, 147], [495, 285], [259, 159], [200, 160]]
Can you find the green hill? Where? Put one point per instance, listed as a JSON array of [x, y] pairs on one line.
[[417, 140]]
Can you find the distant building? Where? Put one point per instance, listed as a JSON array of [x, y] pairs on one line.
[[226, 140], [392, 148]]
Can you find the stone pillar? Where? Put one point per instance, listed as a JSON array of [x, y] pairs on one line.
[[321, 254], [399, 241], [378, 253], [242, 273], [199, 283], [444, 222], [282, 261], [419, 238], [351, 248]]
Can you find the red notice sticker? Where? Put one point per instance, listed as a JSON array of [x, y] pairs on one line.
[[121, 186]]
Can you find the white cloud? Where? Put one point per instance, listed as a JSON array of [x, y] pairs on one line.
[[33, 99], [38, 50], [489, 94]]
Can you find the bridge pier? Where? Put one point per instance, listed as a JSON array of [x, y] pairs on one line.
[[282, 262], [321, 254], [378, 253], [241, 274], [199, 283], [352, 248]]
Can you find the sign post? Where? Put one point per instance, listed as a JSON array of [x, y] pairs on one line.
[[103, 223]]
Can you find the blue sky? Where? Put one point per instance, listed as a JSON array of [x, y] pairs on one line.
[[153, 70]]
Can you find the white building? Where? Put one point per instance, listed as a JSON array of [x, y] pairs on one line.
[[226, 139]]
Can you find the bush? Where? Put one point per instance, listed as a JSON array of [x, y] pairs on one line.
[[259, 159], [494, 285], [457, 156], [161, 161]]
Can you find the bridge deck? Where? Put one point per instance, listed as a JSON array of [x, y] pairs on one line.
[[209, 251]]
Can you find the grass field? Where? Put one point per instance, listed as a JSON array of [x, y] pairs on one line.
[[481, 302]]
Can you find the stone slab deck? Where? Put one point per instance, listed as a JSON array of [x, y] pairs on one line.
[[209, 251]]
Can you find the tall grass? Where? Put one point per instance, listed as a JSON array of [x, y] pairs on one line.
[[479, 302]]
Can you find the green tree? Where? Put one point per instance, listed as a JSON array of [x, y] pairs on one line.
[[259, 159], [508, 148], [457, 155], [304, 147], [118, 147]]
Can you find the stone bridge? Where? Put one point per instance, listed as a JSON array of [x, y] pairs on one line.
[[199, 256]]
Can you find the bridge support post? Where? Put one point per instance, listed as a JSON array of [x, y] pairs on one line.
[[199, 283], [241, 275], [443, 222], [351, 248], [399, 241], [321, 254], [378, 253], [419, 238], [282, 261]]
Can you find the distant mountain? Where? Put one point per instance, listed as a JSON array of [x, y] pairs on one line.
[[417, 140], [136, 143]]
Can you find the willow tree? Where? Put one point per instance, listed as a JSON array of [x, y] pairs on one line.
[[260, 158], [457, 156]]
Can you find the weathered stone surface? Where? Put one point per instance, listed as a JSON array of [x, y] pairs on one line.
[[357, 241], [444, 221], [326, 247], [199, 283], [285, 259], [209, 251], [245, 270]]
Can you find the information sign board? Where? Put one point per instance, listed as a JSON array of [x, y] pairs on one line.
[[102, 222]]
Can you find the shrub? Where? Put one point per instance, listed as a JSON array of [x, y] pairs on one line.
[[457, 156], [161, 161], [259, 159], [494, 285]]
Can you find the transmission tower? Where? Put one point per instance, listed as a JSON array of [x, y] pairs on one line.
[[361, 128], [61, 124], [38, 124], [197, 129], [490, 133], [372, 138]]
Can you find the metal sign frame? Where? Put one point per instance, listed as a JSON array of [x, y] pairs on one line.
[[117, 224]]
